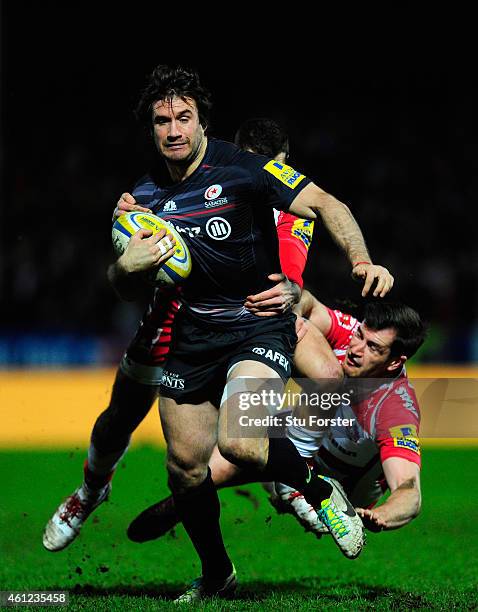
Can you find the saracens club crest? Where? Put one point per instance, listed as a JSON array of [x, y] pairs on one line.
[[213, 192]]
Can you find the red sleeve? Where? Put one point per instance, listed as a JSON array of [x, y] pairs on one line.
[[398, 423], [342, 328], [295, 236], [400, 447]]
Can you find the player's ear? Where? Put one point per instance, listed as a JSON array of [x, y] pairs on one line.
[[396, 363]]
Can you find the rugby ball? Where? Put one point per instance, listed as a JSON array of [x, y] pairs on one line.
[[177, 268]]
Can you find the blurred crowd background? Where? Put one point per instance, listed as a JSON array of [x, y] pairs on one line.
[[395, 144]]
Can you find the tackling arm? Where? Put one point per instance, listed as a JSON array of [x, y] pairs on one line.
[[404, 502], [293, 248], [313, 310]]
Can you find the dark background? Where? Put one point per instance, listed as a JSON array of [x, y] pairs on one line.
[[391, 137]]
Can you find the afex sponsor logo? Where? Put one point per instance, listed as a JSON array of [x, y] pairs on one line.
[[272, 355]]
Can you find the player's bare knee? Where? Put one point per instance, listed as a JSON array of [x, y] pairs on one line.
[[236, 450], [185, 473]]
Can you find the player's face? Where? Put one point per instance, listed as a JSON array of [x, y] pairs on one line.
[[369, 353], [177, 132]]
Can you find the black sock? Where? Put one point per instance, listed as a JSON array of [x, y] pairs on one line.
[[199, 511], [284, 464]]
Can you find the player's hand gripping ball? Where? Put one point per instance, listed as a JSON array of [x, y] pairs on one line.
[[173, 271]]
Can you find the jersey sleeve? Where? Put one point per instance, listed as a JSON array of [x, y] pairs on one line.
[[143, 192], [397, 425], [342, 328], [277, 184], [295, 236]]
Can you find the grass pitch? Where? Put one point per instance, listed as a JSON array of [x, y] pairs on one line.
[[431, 563]]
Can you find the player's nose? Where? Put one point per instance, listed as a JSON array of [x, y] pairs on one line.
[[174, 132], [357, 346]]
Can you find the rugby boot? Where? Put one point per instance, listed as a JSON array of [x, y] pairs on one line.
[[201, 589], [65, 525], [154, 522], [343, 523], [293, 502]]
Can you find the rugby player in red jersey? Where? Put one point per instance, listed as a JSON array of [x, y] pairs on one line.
[[379, 451]]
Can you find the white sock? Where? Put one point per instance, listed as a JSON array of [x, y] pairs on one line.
[[306, 441]]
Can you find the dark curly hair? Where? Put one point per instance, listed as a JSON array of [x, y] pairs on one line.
[[164, 83], [263, 136], [411, 331]]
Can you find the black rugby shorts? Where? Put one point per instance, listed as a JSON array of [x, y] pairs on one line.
[[201, 355]]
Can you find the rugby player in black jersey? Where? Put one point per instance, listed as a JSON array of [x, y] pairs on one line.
[[234, 249], [222, 200], [139, 373]]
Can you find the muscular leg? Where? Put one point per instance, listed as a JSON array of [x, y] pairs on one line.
[[235, 443], [159, 518], [314, 360], [224, 473], [191, 433], [266, 459]]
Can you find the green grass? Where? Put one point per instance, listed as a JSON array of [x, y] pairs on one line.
[[431, 563]]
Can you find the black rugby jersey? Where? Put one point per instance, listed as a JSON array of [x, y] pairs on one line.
[[224, 213]]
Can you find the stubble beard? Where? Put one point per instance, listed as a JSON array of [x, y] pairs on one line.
[[186, 161]]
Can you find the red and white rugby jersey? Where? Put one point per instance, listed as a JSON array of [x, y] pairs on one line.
[[342, 329], [151, 344], [385, 423], [295, 236]]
